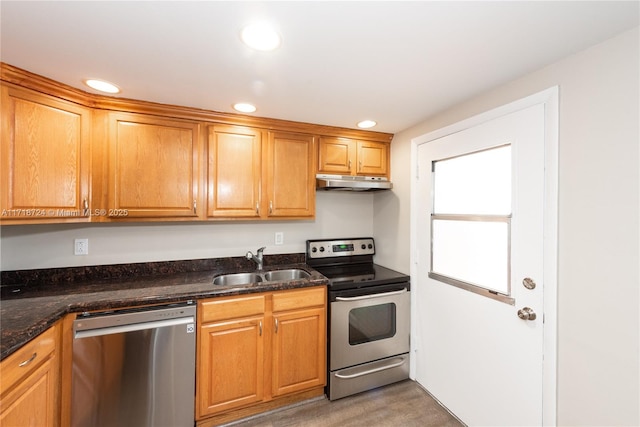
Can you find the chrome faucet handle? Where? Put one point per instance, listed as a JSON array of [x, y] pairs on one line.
[[256, 258]]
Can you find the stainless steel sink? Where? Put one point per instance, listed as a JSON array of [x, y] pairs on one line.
[[237, 279], [284, 275]]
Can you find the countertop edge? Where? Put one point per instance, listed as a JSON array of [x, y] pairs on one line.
[[17, 328]]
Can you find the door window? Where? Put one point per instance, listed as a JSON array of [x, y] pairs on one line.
[[471, 222]]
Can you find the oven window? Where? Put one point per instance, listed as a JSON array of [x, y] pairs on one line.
[[372, 323]]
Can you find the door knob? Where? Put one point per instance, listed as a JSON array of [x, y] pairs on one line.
[[527, 313]]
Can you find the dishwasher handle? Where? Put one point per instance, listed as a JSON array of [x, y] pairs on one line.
[[134, 327]]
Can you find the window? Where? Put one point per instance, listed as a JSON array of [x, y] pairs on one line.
[[471, 222]]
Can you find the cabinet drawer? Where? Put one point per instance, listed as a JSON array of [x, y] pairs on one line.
[[24, 361], [289, 300], [231, 308]]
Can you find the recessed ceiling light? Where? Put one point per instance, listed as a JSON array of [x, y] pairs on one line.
[[260, 36], [244, 107], [366, 124], [102, 86]]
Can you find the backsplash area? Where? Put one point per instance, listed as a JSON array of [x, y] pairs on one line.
[[51, 245]]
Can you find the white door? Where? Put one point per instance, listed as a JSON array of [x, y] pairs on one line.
[[479, 246]]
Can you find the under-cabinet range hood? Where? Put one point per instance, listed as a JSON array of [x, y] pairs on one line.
[[352, 183]]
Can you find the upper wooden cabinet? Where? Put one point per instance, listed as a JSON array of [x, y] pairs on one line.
[[290, 175], [153, 168], [234, 172], [71, 156], [261, 175], [45, 158], [344, 156]]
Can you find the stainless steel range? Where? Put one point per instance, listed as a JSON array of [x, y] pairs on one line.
[[369, 309]]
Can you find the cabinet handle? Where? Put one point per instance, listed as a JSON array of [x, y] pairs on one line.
[[270, 207], [276, 325], [360, 166], [29, 360], [85, 204], [260, 327], [349, 164], [195, 212], [258, 208]]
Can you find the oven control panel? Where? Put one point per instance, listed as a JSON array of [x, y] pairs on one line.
[[342, 247]]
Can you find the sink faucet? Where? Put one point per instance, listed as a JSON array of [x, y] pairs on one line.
[[256, 258]]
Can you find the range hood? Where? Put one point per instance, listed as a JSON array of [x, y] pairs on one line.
[[352, 183]]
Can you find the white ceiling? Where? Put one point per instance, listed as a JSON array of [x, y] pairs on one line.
[[339, 63]]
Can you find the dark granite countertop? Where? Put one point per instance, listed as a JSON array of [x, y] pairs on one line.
[[34, 300]]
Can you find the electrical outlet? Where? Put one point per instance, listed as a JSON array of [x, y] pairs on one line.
[[279, 240], [81, 247]]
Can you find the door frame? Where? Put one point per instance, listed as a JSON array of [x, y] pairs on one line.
[[549, 99]]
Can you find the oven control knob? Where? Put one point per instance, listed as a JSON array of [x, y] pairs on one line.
[[314, 249], [370, 246], [321, 248], [363, 246]]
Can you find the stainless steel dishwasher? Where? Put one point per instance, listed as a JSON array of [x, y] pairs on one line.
[[134, 367]]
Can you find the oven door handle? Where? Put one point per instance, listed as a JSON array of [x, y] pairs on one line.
[[371, 371], [371, 296]]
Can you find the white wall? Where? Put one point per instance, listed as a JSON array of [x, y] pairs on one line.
[[599, 230], [338, 214]]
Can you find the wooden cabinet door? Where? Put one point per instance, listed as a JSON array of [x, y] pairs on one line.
[[290, 179], [30, 383], [230, 371], [234, 172], [299, 340], [336, 156], [154, 167], [33, 402], [373, 158], [45, 158], [299, 360]]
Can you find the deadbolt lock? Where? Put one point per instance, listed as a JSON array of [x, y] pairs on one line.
[[527, 313], [528, 283]]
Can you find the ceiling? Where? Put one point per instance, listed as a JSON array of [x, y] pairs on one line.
[[339, 62]]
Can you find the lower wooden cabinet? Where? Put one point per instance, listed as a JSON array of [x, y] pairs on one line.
[[30, 383], [259, 349]]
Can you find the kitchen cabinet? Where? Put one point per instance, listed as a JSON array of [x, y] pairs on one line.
[[290, 175], [153, 168], [299, 341], [259, 351], [230, 353], [30, 385], [45, 158], [343, 156], [71, 156], [234, 172], [256, 174]]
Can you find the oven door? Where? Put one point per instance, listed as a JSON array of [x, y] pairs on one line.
[[368, 327]]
